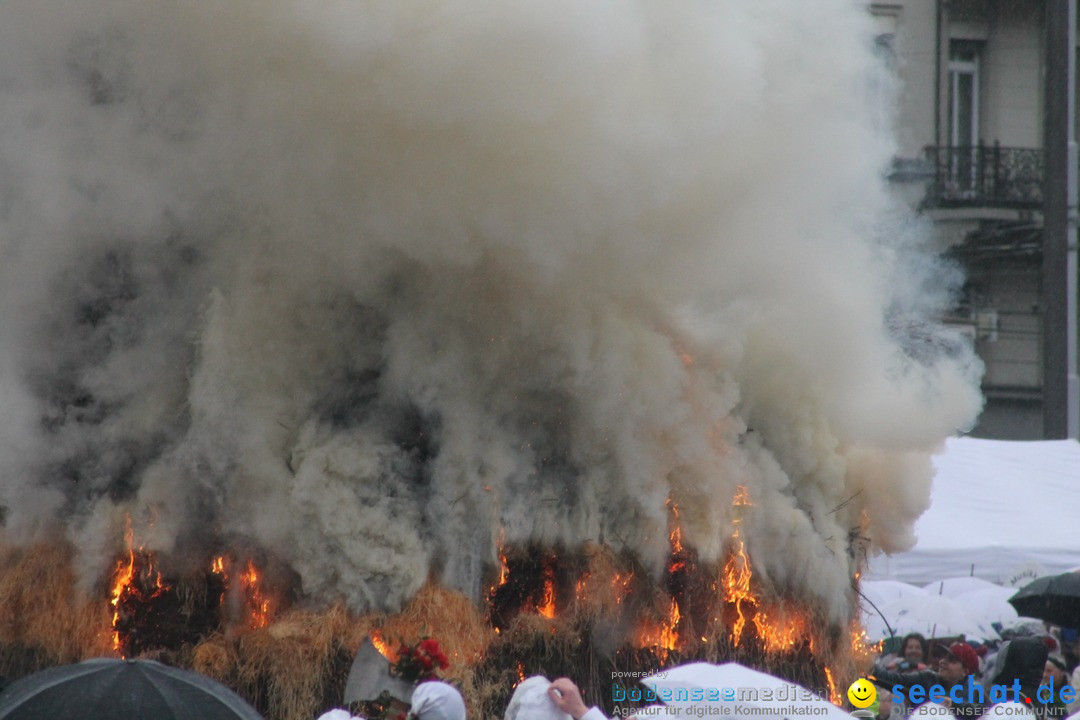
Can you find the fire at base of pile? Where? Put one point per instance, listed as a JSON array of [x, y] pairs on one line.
[[589, 615]]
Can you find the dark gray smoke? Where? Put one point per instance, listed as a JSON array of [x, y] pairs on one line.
[[364, 283]]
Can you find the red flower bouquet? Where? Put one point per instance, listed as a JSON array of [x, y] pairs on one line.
[[421, 661]]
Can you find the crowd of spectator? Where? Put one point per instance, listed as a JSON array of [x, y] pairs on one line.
[[1031, 666]]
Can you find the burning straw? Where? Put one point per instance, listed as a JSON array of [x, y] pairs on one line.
[[294, 666], [584, 614], [297, 666], [620, 619]]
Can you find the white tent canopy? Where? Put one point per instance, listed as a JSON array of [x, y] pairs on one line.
[[999, 510]]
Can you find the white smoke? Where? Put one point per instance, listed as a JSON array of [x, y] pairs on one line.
[[365, 283]]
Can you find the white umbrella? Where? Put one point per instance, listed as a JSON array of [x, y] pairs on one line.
[[989, 606], [876, 595], [730, 686], [935, 616], [877, 627], [883, 592], [953, 586]]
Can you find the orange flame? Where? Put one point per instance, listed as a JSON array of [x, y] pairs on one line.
[[620, 585], [122, 577], [258, 602], [675, 536], [736, 586], [669, 636], [772, 627], [382, 646], [834, 694], [133, 576], [504, 569], [581, 588], [546, 608], [665, 637], [737, 573], [742, 497], [780, 633], [217, 567]]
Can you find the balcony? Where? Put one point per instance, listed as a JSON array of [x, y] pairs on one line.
[[985, 176]]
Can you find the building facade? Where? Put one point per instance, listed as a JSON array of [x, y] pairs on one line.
[[970, 131]]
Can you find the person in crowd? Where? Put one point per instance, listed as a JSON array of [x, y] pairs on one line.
[[913, 654], [1070, 647], [1021, 662], [1055, 674], [531, 701], [567, 698], [1055, 677], [1074, 680], [883, 706], [338, 714], [436, 700], [957, 667]]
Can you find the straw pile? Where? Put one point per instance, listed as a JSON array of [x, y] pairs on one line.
[[296, 668], [289, 669], [44, 619]]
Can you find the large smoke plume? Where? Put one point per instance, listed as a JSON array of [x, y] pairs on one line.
[[365, 284]]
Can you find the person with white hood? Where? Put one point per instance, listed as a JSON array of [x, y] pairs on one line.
[[537, 698], [436, 700], [566, 696], [431, 700], [338, 714], [531, 701]]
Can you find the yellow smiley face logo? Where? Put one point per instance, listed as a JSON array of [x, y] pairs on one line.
[[862, 693]]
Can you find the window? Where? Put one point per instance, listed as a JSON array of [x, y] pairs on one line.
[[964, 113], [964, 92]]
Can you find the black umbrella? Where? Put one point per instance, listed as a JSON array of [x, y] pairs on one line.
[[111, 689], [1055, 599]]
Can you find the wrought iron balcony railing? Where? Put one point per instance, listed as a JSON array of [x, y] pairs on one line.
[[985, 176]]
